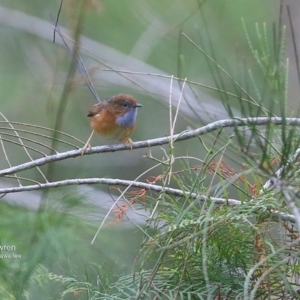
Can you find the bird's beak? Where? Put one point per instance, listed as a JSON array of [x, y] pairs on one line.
[[137, 105]]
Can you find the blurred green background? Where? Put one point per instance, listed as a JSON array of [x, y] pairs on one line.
[[142, 36]]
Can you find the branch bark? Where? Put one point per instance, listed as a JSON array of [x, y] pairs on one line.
[[151, 187], [227, 123]]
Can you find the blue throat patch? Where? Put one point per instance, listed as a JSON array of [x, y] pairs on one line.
[[128, 119]]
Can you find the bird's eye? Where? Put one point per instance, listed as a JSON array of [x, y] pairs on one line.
[[125, 105]]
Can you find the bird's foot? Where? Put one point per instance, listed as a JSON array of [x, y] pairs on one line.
[[85, 147], [129, 142]]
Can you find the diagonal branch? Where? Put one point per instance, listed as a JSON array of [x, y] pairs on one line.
[[154, 142]]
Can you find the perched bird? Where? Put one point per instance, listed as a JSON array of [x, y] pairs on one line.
[[114, 118]]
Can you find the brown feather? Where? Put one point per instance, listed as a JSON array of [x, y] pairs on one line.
[[95, 109]]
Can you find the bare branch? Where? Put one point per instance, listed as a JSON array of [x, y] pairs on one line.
[[109, 181], [154, 142], [151, 187], [270, 183]]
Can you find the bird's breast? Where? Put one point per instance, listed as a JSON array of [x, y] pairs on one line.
[[114, 127], [104, 123]]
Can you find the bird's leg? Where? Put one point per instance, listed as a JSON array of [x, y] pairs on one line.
[[129, 142], [87, 144]]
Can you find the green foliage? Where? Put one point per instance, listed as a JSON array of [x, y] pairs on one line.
[[233, 234]]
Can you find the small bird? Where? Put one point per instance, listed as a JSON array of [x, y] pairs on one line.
[[114, 118]]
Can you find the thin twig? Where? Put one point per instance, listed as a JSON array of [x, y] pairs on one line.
[[270, 183], [191, 82], [25, 148], [80, 66], [122, 195], [171, 157], [57, 18]]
